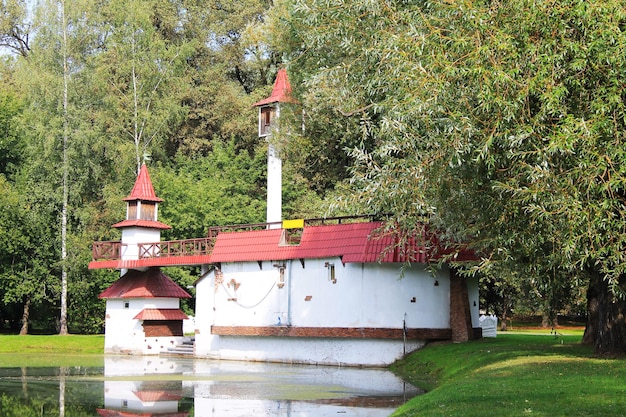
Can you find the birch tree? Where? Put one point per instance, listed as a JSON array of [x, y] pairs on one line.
[[57, 56], [141, 74]]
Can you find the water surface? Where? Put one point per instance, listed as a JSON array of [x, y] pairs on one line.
[[175, 387]]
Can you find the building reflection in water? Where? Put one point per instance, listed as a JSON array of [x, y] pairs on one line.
[[173, 387]]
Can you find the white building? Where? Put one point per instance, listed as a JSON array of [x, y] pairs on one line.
[[143, 313], [332, 291], [333, 296]]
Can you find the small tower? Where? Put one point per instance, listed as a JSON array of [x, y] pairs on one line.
[[269, 112], [143, 313], [141, 224]]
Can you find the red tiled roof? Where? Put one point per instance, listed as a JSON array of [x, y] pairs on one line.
[[151, 283], [155, 396], [148, 262], [118, 413], [354, 242], [143, 189], [161, 314], [151, 224], [281, 93]]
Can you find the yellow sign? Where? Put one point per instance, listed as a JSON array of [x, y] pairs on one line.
[[293, 224]]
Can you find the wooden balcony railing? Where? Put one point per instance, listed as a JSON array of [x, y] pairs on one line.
[[187, 247], [107, 250], [111, 250]]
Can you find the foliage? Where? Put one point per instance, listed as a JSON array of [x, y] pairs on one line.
[[155, 76], [26, 250], [500, 123], [15, 26], [11, 140], [226, 187], [140, 74]]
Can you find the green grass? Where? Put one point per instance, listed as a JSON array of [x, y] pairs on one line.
[[37, 351], [515, 374]]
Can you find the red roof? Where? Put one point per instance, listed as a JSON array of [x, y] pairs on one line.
[[118, 413], [155, 396], [161, 314], [151, 283], [152, 224], [143, 189], [148, 262], [281, 93], [354, 242]]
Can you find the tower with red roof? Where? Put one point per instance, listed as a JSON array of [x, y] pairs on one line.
[[143, 307], [269, 112], [141, 224]]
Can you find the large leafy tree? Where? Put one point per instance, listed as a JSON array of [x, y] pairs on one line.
[[500, 122]]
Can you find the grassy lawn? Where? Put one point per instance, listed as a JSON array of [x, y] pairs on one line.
[[71, 350], [516, 374]]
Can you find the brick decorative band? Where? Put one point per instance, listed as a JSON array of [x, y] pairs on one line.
[[333, 332]]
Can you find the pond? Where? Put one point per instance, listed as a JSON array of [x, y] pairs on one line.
[[131, 386]]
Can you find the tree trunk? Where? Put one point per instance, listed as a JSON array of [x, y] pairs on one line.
[[64, 214], [25, 316], [609, 334], [591, 328]]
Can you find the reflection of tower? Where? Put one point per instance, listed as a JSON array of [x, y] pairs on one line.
[[143, 387], [142, 399], [269, 112], [143, 307]]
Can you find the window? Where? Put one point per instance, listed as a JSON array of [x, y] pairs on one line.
[[126, 305], [265, 120], [291, 237], [132, 210], [148, 211]]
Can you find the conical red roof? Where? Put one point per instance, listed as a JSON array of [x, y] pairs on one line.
[[152, 283], [281, 92], [143, 189]]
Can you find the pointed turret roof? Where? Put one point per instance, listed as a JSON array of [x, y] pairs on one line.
[[143, 189], [281, 92], [152, 283]]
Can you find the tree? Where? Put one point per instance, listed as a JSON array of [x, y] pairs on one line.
[[15, 26], [12, 144], [501, 123], [52, 117], [140, 74], [25, 242]]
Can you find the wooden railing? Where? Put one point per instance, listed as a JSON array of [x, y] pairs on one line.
[[187, 247], [108, 250], [111, 250]]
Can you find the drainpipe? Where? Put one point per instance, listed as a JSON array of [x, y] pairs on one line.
[[288, 278]]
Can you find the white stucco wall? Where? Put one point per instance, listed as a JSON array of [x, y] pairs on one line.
[[123, 334], [131, 236], [361, 296], [364, 295]]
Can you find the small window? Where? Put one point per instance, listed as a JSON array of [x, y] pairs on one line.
[[331, 272], [265, 120], [291, 237], [132, 210], [126, 305]]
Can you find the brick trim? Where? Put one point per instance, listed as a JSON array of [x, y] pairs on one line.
[[333, 332]]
